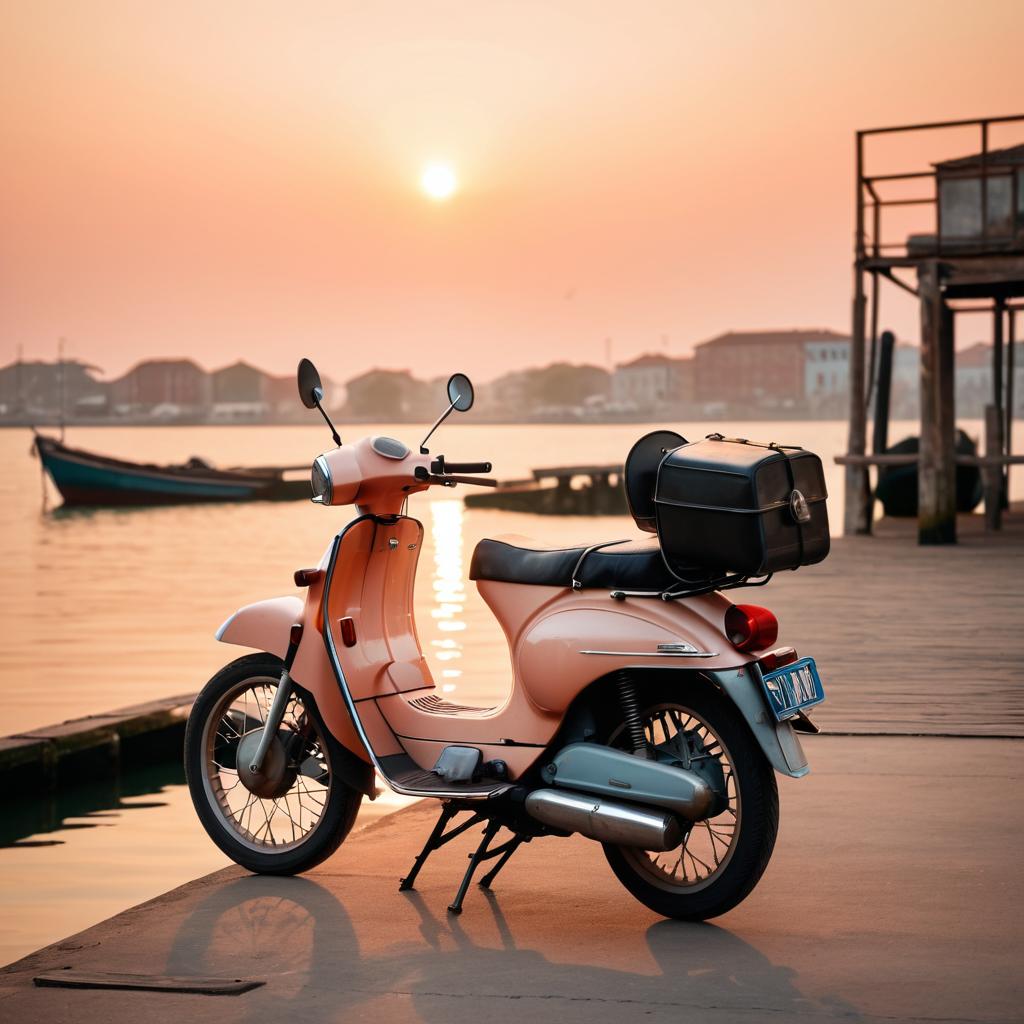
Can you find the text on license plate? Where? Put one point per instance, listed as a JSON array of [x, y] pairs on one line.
[[792, 689]]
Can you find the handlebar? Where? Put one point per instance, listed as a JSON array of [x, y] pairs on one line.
[[441, 465], [450, 479]]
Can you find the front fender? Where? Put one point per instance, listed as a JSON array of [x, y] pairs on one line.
[[264, 625], [778, 740]]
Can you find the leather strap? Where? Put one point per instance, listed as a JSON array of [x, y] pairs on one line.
[[756, 444], [577, 584]]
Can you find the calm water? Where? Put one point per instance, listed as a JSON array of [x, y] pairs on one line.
[[102, 609], [108, 608]]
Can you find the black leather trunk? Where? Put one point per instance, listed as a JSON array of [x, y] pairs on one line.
[[741, 506]]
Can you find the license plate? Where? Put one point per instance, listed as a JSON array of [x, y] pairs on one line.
[[793, 689]]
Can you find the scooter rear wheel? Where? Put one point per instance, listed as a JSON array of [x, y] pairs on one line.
[[721, 859], [303, 811]]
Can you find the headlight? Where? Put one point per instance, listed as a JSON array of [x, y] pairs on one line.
[[320, 479]]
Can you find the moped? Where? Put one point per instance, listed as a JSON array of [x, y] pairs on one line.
[[645, 712]]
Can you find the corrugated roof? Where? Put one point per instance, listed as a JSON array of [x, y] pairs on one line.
[[1007, 155]]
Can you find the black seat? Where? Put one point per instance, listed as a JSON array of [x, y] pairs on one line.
[[627, 565]]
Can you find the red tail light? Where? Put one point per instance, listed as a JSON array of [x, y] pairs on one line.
[[778, 658], [751, 627]]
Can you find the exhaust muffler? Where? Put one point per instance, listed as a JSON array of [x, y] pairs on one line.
[[607, 821]]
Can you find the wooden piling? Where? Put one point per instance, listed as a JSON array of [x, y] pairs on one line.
[[992, 476], [936, 479], [857, 516]]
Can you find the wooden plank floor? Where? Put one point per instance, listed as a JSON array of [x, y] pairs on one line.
[[912, 639]]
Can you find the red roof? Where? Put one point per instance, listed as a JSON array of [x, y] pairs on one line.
[[979, 354], [795, 337], [651, 359]]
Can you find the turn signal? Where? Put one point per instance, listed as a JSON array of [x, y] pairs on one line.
[[751, 627], [348, 631]]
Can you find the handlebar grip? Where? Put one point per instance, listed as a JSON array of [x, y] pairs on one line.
[[467, 467]]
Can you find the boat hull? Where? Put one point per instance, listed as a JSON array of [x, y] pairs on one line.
[[86, 479]]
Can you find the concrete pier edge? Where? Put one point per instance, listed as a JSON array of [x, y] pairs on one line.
[[48, 757]]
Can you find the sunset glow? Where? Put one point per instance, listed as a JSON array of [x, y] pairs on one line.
[[592, 181], [439, 181]]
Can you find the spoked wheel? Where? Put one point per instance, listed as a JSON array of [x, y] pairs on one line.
[[296, 810], [722, 857]]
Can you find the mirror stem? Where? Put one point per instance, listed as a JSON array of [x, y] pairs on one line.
[[440, 419], [327, 420]]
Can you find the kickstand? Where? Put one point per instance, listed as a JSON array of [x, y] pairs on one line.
[[436, 840], [504, 852], [479, 854]]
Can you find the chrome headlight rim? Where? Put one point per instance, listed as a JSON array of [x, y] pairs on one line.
[[320, 481]]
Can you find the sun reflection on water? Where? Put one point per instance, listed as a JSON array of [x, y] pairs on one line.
[[449, 588]]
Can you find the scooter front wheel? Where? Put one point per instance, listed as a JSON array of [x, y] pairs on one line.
[[721, 858], [297, 811]]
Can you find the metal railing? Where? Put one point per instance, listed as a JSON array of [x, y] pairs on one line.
[[871, 203]]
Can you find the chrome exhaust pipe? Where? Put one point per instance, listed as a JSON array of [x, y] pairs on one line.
[[607, 821]]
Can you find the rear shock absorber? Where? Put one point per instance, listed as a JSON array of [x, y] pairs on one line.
[[631, 712]]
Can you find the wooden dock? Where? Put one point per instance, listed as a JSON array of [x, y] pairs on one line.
[[912, 639], [589, 490]]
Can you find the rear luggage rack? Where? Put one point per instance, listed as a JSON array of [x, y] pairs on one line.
[[730, 582]]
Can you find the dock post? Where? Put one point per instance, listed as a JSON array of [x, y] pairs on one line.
[[1011, 347], [857, 518], [936, 472], [992, 476], [883, 400], [998, 360]]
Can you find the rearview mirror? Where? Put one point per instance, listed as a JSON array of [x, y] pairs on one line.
[[311, 389], [460, 392], [460, 399]]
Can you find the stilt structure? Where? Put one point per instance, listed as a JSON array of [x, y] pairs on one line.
[[970, 260]]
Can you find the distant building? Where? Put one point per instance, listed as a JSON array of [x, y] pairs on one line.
[[769, 368], [973, 376], [826, 369], [168, 384], [383, 395], [652, 380], [560, 387], [905, 399], [36, 387], [238, 392]]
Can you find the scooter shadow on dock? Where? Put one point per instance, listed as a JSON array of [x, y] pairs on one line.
[[298, 936]]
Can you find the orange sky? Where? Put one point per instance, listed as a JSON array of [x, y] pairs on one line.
[[240, 178]]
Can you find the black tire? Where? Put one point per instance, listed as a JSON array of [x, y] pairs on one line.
[[758, 819], [342, 802]]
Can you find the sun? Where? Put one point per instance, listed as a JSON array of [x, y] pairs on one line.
[[438, 181]]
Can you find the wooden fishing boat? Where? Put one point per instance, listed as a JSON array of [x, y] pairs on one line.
[[897, 485], [84, 478]]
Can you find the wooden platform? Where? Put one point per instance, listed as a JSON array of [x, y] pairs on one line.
[[923, 640]]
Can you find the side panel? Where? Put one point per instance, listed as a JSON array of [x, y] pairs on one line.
[[553, 666], [583, 635]]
